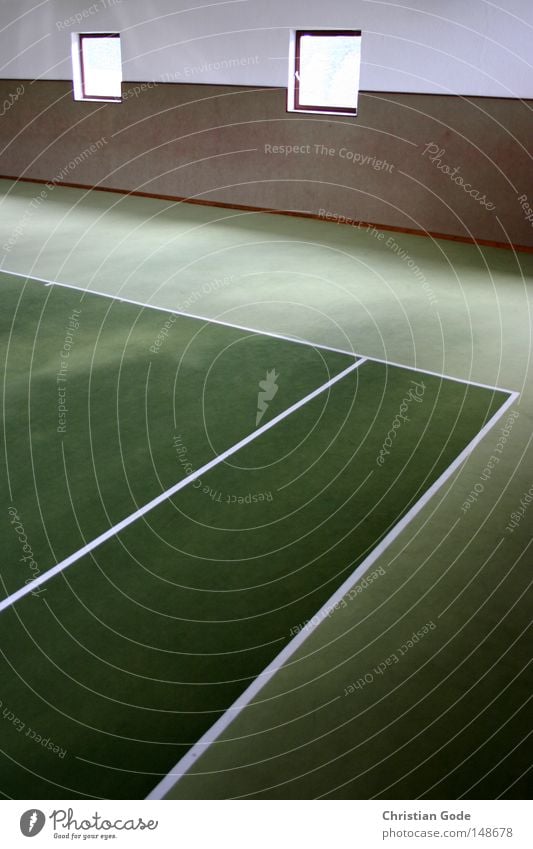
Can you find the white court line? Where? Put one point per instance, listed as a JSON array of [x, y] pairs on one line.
[[111, 532], [438, 374], [285, 338], [188, 760], [180, 312]]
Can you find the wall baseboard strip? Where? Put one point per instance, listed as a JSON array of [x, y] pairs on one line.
[[244, 208]]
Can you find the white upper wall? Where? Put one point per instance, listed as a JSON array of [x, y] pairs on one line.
[[470, 47]]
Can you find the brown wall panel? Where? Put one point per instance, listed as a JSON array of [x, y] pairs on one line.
[[239, 146]]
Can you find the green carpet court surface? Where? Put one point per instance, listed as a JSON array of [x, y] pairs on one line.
[[203, 491]]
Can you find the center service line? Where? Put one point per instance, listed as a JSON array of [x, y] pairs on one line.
[[116, 529]]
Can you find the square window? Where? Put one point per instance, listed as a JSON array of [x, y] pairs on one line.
[[97, 66], [324, 67]]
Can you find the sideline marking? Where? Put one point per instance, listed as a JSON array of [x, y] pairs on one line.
[[298, 341], [178, 312], [187, 761]]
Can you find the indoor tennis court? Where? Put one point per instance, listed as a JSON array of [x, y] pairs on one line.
[[230, 606], [266, 409]]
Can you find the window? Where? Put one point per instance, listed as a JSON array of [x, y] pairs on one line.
[[97, 66], [324, 70]]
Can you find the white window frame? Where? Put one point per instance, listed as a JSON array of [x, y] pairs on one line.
[[293, 82], [77, 66]]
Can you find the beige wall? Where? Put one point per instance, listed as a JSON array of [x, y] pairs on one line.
[[218, 143]]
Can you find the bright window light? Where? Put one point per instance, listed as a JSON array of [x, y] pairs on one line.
[[97, 65], [324, 67]]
